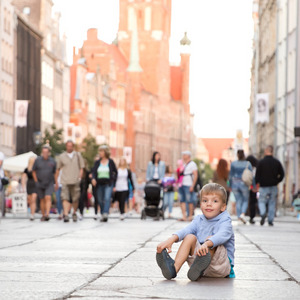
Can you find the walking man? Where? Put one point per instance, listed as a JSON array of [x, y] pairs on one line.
[[43, 172], [187, 193], [71, 165], [269, 173]]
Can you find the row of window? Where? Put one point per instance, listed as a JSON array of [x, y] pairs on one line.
[[7, 20], [147, 18], [7, 57], [47, 110], [47, 75], [117, 116], [6, 135], [6, 90]]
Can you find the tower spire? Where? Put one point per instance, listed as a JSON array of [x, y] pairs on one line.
[[134, 62]]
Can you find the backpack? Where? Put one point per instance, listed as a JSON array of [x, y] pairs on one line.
[[247, 176], [198, 185]]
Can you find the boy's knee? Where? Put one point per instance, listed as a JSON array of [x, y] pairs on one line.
[[190, 237]]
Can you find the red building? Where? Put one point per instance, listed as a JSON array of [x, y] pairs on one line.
[[148, 99]]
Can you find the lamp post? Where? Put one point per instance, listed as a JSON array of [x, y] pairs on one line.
[[37, 139]]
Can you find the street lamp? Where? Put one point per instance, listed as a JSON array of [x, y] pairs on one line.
[[37, 138]]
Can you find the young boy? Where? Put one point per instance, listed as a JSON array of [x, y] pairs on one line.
[[208, 242]]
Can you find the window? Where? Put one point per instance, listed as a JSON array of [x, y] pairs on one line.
[[148, 18], [121, 116], [130, 19], [6, 135], [47, 110], [113, 138], [47, 75], [92, 105]]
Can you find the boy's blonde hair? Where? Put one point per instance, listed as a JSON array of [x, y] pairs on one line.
[[214, 188]]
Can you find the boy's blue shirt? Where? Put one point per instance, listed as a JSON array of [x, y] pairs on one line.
[[219, 228]]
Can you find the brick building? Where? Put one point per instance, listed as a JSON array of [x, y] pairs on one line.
[[150, 97]]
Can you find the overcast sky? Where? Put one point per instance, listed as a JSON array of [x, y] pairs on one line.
[[221, 34]]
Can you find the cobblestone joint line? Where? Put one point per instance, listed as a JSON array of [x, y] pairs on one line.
[[69, 295], [46, 238], [291, 277]]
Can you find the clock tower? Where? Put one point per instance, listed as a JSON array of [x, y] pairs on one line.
[[151, 21]]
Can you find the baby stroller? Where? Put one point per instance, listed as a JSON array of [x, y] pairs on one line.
[[154, 203]]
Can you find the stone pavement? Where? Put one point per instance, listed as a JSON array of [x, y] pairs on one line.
[[116, 260]]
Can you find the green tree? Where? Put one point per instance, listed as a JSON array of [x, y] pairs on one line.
[[89, 150], [54, 137], [205, 170]]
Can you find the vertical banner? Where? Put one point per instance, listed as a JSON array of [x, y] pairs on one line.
[[69, 132], [262, 108], [21, 108], [127, 153]]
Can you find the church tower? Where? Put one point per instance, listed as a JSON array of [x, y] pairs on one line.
[[153, 19]]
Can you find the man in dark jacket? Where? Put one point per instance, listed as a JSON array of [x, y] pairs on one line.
[[269, 173]]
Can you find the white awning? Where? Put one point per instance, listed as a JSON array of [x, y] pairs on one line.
[[17, 163]]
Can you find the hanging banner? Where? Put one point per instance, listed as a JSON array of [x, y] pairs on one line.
[[21, 108], [127, 153], [262, 108], [69, 132]]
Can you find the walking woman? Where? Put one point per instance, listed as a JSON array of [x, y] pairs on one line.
[[253, 190], [156, 168], [221, 175], [122, 185], [104, 179], [30, 187], [238, 187]]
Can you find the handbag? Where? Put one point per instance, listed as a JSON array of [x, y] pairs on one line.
[[247, 176]]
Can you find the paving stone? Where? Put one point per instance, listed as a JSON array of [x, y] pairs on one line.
[[92, 260]]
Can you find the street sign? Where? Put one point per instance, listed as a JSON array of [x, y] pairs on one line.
[[19, 203]]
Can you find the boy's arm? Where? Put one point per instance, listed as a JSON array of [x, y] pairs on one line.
[[190, 229], [167, 244], [222, 236]]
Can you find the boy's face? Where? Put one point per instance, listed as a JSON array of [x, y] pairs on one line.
[[212, 205]]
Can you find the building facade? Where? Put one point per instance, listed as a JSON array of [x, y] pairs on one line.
[[55, 92], [28, 82], [147, 98], [275, 71], [7, 68]]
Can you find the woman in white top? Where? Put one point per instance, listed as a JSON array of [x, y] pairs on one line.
[[122, 188]]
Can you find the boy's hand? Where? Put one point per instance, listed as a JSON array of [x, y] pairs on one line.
[[204, 249], [167, 244]]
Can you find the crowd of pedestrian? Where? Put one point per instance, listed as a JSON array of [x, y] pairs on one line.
[[250, 184]]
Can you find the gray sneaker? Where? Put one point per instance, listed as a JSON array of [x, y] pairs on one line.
[[198, 267], [66, 218], [74, 217], [166, 264]]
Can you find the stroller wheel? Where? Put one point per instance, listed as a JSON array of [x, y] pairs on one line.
[[143, 215], [158, 215], [162, 214]]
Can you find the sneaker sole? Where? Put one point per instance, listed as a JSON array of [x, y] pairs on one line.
[[164, 268], [198, 267]]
